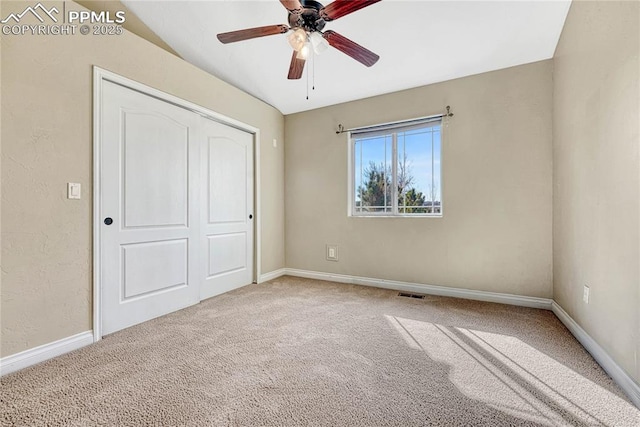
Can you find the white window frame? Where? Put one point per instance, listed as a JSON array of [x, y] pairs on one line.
[[393, 129]]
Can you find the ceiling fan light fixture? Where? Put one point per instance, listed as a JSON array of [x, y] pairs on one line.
[[318, 42], [306, 21], [297, 39], [303, 53]]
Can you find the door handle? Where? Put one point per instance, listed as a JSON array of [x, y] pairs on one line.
[[108, 221], [250, 216]]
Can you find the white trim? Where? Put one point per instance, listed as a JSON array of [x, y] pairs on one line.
[[44, 352], [272, 275], [443, 144], [394, 172], [523, 301], [351, 171], [257, 259], [621, 378], [100, 75], [97, 174]]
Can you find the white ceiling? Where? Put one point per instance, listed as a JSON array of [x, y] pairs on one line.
[[419, 42]]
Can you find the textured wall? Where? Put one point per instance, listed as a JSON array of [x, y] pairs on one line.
[[47, 142], [596, 175], [495, 234], [133, 23]]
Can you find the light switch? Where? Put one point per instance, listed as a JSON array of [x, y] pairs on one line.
[[73, 190], [275, 143]]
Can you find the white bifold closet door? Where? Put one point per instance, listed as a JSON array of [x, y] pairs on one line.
[[176, 202]]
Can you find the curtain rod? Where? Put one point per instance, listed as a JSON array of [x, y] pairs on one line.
[[341, 128]]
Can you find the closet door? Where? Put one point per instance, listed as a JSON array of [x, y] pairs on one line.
[[150, 207], [227, 208]]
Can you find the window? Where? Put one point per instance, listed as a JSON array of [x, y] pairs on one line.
[[396, 169]]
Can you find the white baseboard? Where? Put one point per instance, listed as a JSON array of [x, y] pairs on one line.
[[272, 275], [44, 352], [524, 301], [624, 381]]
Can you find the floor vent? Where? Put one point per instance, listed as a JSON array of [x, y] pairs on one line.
[[408, 295]]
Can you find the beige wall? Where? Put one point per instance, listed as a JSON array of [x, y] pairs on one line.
[[596, 175], [496, 231], [47, 141], [132, 23]]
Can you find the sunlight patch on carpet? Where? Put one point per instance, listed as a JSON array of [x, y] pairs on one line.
[[508, 374]]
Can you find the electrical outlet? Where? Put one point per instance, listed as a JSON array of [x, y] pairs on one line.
[[332, 252], [585, 294]]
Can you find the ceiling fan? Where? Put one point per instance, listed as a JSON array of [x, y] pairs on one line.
[[307, 19]]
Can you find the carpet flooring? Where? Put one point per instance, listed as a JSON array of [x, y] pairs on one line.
[[299, 352]]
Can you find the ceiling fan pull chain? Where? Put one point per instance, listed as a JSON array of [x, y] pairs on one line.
[[313, 76], [307, 72]]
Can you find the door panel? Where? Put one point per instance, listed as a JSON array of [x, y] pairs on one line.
[[227, 226], [227, 179], [153, 267], [227, 253], [156, 154], [149, 187]]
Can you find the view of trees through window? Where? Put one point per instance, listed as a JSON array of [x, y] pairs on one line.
[[411, 188]]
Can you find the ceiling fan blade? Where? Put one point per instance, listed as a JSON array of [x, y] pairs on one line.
[[340, 8], [296, 67], [351, 48], [252, 33], [291, 5]]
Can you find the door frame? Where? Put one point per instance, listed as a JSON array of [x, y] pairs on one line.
[[101, 75]]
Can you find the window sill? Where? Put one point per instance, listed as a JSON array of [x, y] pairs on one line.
[[395, 216]]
